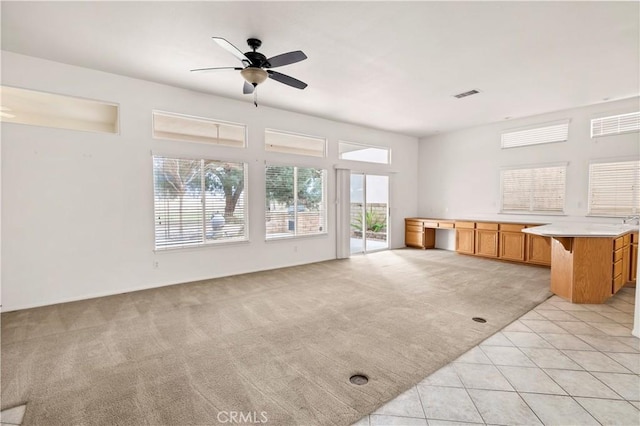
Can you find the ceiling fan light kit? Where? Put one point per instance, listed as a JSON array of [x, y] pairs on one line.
[[254, 76], [254, 64]]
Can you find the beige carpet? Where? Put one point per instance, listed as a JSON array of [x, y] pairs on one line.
[[282, 342]]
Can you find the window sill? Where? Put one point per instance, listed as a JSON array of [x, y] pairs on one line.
[[295, 237], [196, 247]]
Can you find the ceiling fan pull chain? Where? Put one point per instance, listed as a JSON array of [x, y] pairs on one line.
[[255, 96]]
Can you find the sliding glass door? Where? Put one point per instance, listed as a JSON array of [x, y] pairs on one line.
[[369, 212]]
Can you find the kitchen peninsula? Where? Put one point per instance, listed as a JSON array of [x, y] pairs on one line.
[[589, 261]]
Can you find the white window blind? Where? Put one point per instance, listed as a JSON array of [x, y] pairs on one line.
[[615, 124], [296, 201], [614, 188], [198, 201], [290, 143], [167, 125], [533, 190], [557, 132]]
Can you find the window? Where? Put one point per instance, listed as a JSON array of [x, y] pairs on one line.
[[59, 111], [358, 152], [533, 190], [614, 188], [615, 124], [198, 201], [290, 143], [551, 132], [296, 201], [167, 125]]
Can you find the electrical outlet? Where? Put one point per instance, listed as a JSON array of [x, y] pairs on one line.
[[156, 264]]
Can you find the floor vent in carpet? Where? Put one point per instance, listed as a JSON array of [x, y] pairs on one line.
[[359, 379], [478, 319]]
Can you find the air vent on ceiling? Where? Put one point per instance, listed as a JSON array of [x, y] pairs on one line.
[[465, 94]]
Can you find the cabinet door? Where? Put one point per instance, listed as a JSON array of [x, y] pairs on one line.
[[633, 261], [486, 243], [626, 264], [414, 239], [429, 238], [465, 240], [512, 246], [538, 250]]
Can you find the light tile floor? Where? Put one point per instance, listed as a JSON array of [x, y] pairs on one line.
[[559, 364]]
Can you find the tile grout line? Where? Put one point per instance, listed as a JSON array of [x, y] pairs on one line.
[[510, 383], [588, 372], [551, 378]]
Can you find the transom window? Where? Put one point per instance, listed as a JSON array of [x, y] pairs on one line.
[[366, 153], [538, 189], [168, 125], [291, 143], [295, 201], [198, 201], [615, 124], [540, 134]]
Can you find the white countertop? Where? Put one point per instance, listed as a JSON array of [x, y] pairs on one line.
[[581, 229]]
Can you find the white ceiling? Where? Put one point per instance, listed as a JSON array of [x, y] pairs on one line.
[[388, 65]]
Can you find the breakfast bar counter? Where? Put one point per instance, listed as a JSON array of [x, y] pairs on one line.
[[589, 261]]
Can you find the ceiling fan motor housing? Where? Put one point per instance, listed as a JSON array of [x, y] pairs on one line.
[[257, 59]]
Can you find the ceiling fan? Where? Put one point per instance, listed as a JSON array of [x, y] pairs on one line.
[[257, 67]]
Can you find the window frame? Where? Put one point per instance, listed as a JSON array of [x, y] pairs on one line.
[[562, 212], [61, 102], [197, 118], [205, 242], [301, 135], [533, 127], [384, 148], [324, 211], [589, 179], [614, 116]]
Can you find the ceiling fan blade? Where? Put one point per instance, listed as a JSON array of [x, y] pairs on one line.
[[285, 79], [247, 89], [232, 49], [286, 59], [216, 69]]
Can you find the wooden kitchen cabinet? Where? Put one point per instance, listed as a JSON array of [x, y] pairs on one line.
[[465, 237], [486, 239], [504, 241], [633, 260], [416, 235], [621, 262], [512, 242], [538, 250], [413, 233]]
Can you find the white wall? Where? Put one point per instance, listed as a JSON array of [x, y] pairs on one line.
[[77, 207], [459, 173]]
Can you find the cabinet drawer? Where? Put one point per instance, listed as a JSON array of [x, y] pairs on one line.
[[618, 281], [617, 268], [413, 222], [634, 238], [465, 225], [618, 243], [626, 239], [511, 227], [447, 225], [617, 255], [414, 228], [431, 224], [488, 226]]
